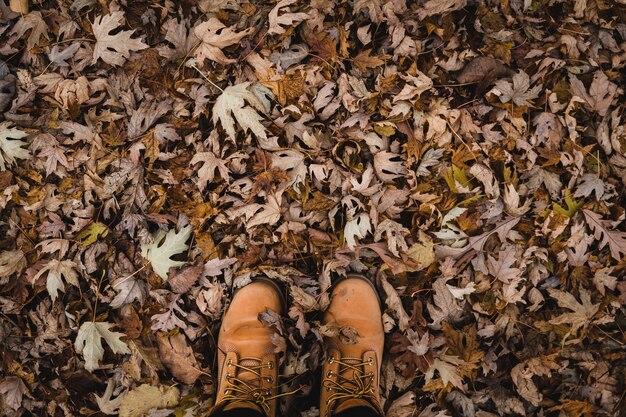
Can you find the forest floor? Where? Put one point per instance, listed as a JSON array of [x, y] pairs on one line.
[[467, 156]]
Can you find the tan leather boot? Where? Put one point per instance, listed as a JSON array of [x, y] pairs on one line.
[[351, 372], [247, 367]]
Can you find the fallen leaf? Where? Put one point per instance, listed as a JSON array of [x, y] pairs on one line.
[[178, 357], [113, 49], [146, 397]]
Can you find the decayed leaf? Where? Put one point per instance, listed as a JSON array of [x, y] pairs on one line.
[[183, 279], [163, 247], [13, 389], [359, 227], [243, 104], [55, 270], [146, 397], [281, 15], [615, 238], [394, 233], [404, 406], [130, 289], [178, 357], [11, 146], [394, 302], [518, 91], [107, 404], [582, 314], [214, 36], [589, 184], [445, 306], [210, 164], [435, 7], [113, 49], [601, 92], [389, 166], [603, 279], [448, 368], [11, 262], [181, 37], [89, 342]]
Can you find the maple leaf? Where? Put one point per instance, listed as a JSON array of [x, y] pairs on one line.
[[359, 226], [601, 92], [13, 388], [130, 289], [603, 279], [448, 368], [11, 262], [394, 303], [518, 91], [89, 342], [55, 270], [414, 87], [34, 22], [163, 247], [286, 18], [365, 60], [590, 183], [113, 49], [233, 101], [210, 163], [269, 214], [214, 36], [394, 232], [430, 159], [389, 166], [502, 269], [168, 320], [476, 243], [615, 238], [11, 145], [582, 313], [445, 305], [435, 7], [182, 38], [292, 162], [107, 404]]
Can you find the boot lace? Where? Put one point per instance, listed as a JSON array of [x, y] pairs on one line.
[[359, 385], [251, 390]]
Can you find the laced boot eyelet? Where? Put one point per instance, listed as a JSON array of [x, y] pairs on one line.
[[229, 362], [370, 362], [270, 379], [331, 359], [270, 365], [329, 374]]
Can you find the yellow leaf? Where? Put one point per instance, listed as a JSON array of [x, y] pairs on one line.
[[90, 235], [572, 206], [364, 60], [145, 397], [423, 252]]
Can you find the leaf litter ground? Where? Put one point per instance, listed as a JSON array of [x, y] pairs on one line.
[[468, 156]]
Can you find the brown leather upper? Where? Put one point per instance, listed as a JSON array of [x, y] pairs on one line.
[[351, 372], [247, 365]]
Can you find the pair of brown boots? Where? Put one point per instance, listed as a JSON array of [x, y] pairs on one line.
[[247, 364]]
